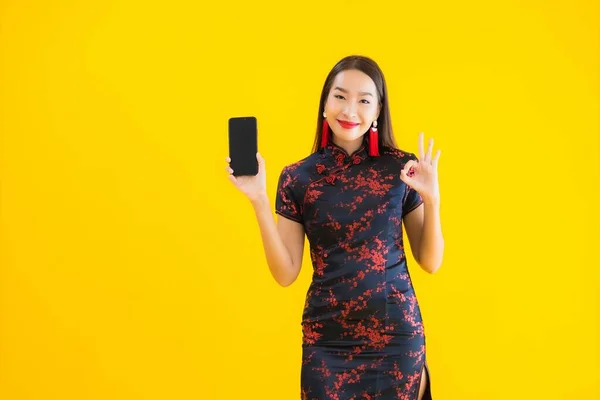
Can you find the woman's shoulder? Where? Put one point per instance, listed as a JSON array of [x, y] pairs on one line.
[[298, 175], [397, 154], [302, 166]]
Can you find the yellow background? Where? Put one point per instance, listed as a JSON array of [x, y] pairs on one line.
[[132, 269]]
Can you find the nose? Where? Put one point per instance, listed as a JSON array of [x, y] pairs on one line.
[[350, 110]]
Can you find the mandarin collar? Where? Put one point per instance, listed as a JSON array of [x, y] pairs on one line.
[[334, 157], [341, 156]]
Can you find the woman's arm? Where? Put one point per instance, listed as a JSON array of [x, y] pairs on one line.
[[424, 232], [422, 224], [283, 243]]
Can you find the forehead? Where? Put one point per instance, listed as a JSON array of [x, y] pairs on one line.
[[354, 81]]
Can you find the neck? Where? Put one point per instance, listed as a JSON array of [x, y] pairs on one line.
[[350, 146]]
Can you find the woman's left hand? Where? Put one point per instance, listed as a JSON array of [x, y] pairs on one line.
[[425, 177]]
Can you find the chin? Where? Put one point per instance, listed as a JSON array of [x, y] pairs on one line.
[[349, 137], [345, 138]]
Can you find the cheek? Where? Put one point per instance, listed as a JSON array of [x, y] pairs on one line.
[[334, 107], [368, 114]]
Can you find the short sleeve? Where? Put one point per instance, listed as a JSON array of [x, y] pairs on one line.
[[286, 200], [412, 199]]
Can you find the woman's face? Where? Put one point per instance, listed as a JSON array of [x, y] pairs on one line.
[[352, 105]]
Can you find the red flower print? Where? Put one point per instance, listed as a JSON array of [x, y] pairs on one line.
[[312, 195], [310, 336], [362, 329]]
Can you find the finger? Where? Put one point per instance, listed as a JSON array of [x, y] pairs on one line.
[[410, 164], [429, 150], [228, 169], [261, 163], [227, 159], [421, 148], [436, 158], [406, 179], [233, 180]]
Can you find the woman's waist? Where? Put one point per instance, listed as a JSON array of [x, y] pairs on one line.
[[362, 309], [376, 328], [359, 285]]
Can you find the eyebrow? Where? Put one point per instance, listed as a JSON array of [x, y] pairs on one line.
[[360, 93]]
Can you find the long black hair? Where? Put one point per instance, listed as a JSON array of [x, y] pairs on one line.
[[369, 67]]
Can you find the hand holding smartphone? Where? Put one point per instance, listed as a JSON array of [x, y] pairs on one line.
[[243, 145], [246, 167]]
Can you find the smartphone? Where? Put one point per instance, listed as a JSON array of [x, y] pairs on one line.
[[243, 145]]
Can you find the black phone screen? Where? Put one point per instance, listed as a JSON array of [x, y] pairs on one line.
[[243, 145]]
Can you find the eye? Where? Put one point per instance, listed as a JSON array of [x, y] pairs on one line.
[[366, 101], [338, 96]]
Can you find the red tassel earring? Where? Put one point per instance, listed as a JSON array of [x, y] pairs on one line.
[[325, 132], [374, 140]]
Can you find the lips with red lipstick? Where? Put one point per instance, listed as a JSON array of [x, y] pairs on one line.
[[347, 125]]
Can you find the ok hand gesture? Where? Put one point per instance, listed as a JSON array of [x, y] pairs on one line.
[[424, 179]]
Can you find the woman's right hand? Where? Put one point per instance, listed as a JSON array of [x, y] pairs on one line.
[[254, 187]]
